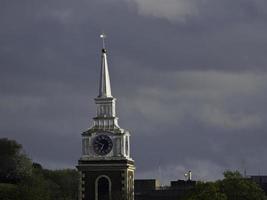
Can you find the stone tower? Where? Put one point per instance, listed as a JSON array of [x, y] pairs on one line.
[[106, 168]]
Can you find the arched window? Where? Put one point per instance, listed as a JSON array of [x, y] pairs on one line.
[[103, 188]]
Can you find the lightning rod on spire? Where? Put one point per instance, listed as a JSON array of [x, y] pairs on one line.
[[103, 36]]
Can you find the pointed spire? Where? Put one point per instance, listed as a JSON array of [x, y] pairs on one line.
[[104, 86]]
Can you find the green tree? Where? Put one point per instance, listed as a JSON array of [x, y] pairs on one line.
[[67, 180], [232, 187], [8, 191], [236, 187], [206, 191], [34, 188], [21, 179], [14, 164], [38, 187]]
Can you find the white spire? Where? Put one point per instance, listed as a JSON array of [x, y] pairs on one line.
[[104, 86]]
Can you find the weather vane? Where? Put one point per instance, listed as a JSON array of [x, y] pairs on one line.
[[103, 36]]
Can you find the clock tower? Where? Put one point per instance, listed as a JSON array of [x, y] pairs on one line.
[[106, 168]]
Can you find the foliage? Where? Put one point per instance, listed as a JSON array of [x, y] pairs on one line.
[[50, 184], [66, 179], [8, 191], [15, 165], [237, 187], [35, 188], [29, 181], [206, 191], [232, 187]]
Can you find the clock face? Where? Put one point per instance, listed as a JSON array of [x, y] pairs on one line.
[[102, 144]]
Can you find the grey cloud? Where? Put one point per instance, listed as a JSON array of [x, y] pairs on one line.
[[183, 11], [169, 9], [197, 116]]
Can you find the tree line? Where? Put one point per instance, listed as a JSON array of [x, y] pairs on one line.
[[22, 179], [233, 187]]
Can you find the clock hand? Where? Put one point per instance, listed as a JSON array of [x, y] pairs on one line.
[[102, 147]]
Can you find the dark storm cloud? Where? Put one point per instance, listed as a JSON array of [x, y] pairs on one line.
[[190, 77], [210, 119]]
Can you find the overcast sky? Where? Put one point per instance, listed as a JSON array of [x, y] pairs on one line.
[[189, 75]]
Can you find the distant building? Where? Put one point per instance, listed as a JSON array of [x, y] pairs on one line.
[[150, 189], [261, 181], [146, 185]]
